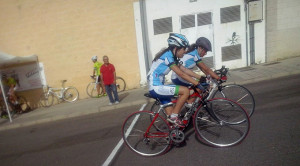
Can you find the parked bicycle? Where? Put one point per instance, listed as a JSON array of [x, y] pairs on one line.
[[19, 108], [69, 94], [235, 92], [91, 88], [217, 122]]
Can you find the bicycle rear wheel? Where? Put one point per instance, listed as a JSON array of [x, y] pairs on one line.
[[155, 107], [222, 123], [46, 99], [91, 90], [120, 83], [237, 93], [70, 94], [152, 143]]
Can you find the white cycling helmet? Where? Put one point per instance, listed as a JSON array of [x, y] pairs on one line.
[[94, 58], [178, 40]]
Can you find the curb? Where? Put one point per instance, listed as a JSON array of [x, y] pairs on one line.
[[255, 80], [15, 125]]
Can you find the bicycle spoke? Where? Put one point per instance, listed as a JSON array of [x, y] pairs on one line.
[[142, 137], [230, 127], [239, 94]]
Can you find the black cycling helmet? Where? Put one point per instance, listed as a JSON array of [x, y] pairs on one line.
[[204, 43], [177, 40]]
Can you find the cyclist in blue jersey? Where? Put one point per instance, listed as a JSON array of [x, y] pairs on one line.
[[165, 61], [194, 57]]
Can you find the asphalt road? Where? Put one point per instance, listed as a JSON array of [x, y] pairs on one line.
[[89, 140]]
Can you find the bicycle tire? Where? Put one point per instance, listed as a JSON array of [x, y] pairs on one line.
[[46, 99], [91, 90], [155, 107], [237, 93], [70, 94], [120, 83], [134, 134], [230, 126]]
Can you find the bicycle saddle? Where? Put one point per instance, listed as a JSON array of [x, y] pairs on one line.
[[63, 80]]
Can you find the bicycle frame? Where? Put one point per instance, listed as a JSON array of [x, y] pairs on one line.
[[58, 92], [157, 134], [199, 102]]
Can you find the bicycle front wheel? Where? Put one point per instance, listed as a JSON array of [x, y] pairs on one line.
[[222, 123], [46, 99], [120, 83], [70, 94], [239, 94], [91, 90], [152, 143]]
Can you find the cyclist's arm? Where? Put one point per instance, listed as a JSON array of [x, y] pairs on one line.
[[189, 72], [181, 74], [93, 71], [206, 70]]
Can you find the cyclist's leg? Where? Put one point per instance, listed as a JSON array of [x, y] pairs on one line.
[[166, 92], [98, 84], [183, 96], [182, 82]]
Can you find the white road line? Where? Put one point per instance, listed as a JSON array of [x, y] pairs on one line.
[[116, 149]]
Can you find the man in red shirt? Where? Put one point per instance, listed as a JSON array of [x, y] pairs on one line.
[[108, 77]]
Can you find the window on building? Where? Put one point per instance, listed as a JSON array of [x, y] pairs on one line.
[[187, 21], [232, 52], [204, 19], [162, 25], [230, 14]]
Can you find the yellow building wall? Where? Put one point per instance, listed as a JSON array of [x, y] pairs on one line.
[[65, 34]]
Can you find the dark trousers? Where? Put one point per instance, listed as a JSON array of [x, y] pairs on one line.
[[112, 89]]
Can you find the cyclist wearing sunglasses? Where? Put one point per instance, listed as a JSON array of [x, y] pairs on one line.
[[165, 61]]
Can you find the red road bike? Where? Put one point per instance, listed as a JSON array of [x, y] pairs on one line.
[[218, 122]]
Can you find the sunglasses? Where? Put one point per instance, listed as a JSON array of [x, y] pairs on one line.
[[185, 48]]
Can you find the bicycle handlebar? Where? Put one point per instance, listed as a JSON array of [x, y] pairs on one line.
[[222, 73], [93, 77]]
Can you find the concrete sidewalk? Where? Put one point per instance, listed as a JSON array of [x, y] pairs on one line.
[[82, 107]]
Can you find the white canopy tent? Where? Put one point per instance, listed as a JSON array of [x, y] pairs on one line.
[[6, 61]]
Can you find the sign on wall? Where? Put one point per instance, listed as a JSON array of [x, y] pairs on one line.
[[28, 76]]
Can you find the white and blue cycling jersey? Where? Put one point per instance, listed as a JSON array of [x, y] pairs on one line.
[[188, 61], [156, 78]]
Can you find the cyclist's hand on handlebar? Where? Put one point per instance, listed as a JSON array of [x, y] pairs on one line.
[[202, 80], [222, 79], [202, 88]]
